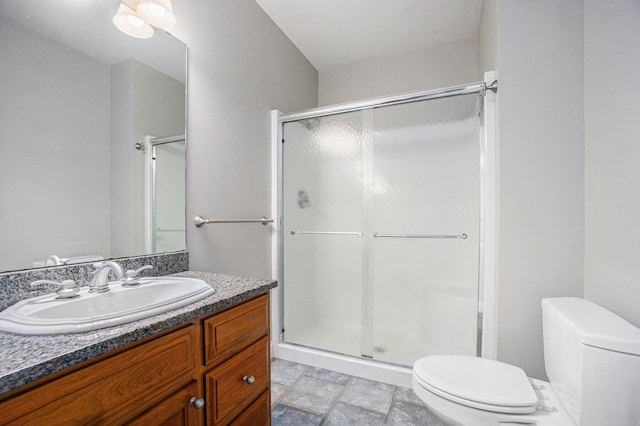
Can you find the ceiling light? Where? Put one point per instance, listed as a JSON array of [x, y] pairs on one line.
[[129, 22], [158, 13]]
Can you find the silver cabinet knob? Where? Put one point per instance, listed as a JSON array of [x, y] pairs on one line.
[[198, 403], [249, 380]]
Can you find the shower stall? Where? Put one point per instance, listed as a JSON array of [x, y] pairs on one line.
[[382, 229]]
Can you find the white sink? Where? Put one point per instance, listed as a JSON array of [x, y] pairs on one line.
[[92, 311]]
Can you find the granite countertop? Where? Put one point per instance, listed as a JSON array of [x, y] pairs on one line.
[[27, 358]]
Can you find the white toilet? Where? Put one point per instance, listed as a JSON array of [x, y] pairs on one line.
[[592, 358]]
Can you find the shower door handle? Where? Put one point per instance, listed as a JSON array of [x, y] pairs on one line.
[[447, 236], [294, 232]]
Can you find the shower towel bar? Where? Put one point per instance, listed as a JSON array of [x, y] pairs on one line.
[[455, 236], [198, 221], [325, 233], [378, 235]]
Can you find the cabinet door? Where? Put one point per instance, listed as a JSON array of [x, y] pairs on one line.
[[257, 414], [236, 384], [176, 410], [111, 391]]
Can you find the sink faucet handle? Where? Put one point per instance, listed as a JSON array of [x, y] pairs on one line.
[[67, 289], [137, 271], [133, 276]]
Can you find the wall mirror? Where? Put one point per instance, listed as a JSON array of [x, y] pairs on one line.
[[91, 136]]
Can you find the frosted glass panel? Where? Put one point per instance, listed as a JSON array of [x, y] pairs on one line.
[[426, 182], [351, 179], [322, 193]]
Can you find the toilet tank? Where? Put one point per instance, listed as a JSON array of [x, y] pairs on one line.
[[592, 359]]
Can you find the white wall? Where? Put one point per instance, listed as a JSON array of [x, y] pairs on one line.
[[612, 96], [240, 67], [54, 137], [439, 66], [541, 168]]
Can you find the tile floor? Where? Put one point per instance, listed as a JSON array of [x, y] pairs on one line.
[[302, 395]]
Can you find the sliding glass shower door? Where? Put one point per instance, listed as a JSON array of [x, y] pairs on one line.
[[381, 218]]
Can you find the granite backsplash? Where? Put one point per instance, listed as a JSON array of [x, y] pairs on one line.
[[14, 285]]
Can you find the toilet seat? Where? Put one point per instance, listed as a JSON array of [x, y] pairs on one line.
[[477, 383]]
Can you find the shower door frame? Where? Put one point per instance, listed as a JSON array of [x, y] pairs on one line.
[[150, 144], [487, 324]]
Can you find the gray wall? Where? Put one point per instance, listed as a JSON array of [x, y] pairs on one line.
[[240, 67], [541, 168], [612, 94], [487, 37], [438, 66], [54, 137]]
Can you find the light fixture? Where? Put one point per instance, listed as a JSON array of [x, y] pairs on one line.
[[129, 22], [158, 13], [136, 17]]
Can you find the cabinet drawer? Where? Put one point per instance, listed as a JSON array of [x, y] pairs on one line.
[[227, 393], [227, 333], [112, 390]]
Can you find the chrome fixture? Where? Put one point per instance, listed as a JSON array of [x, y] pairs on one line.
[[100, 281], [378, 235], [197, 403], [466, 89], [294, 232], [198, 221], [454, 236], [303, 199], [67, 289], [132, 278], [249, 380], [54, 260]]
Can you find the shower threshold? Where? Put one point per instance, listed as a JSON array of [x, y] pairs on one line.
[[346, 364]]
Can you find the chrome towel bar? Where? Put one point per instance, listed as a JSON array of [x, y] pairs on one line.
[[454, 236], [325, 233], [378, 235], [198, 221]]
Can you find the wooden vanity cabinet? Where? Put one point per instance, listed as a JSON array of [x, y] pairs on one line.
[[158, 381], [237, 364]]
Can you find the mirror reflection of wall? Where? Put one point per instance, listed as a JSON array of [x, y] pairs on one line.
[[71, 181]]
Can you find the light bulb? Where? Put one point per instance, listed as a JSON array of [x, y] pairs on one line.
[[135, 21], [157, 10], [158, 13], [128, 21]]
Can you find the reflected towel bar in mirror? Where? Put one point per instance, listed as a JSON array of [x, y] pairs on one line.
[[198, 221]]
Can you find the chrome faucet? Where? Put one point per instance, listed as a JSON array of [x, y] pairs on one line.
[[100, 281], [54, 260]]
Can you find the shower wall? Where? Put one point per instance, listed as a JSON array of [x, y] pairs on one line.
[[358, 188], [436, 66]]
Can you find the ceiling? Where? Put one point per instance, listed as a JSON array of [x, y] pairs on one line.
[[338, 32]]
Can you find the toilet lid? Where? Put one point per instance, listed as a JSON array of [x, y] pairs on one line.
[[477, 382]]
